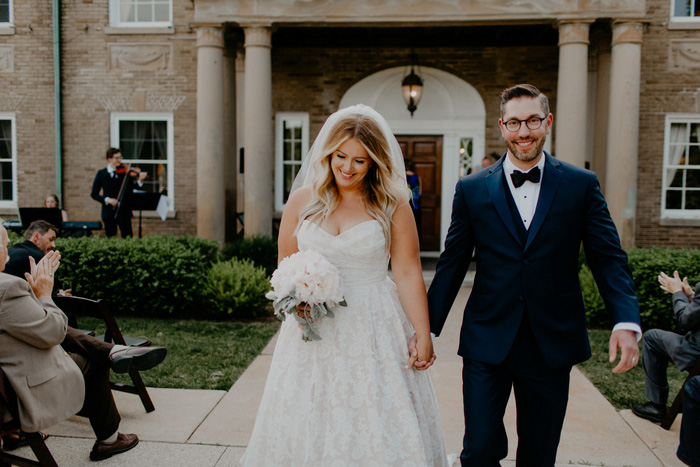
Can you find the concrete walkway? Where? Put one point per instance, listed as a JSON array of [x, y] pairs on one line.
[[211, 428]]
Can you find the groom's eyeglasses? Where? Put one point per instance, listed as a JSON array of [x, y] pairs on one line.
[[533, 123]]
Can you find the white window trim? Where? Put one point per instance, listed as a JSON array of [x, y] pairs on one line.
[[115, 20], [682, 22], [674, 214], [11, 19], [280, 118], [116, 117], [15, 182]]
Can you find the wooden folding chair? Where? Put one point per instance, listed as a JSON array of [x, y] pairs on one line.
[[99, 309], [8, 405], [672, 413]]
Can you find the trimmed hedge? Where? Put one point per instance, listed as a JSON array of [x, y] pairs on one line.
[[156, 276], [236, 287], [655, 304], [261, 250]]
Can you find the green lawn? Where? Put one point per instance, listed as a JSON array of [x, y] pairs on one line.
[[626, 388], [201, 354]]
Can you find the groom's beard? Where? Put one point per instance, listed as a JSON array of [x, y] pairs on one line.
[[529, 155]]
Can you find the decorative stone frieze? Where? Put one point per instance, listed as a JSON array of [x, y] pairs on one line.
[[7, 58], [10, 103], [154, 57], [164, 103], [153, 103], [684, 54]]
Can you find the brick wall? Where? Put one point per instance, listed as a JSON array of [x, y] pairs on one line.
[[305, 79], [663, 91], [315, 79], [28, 91], [93, 88]]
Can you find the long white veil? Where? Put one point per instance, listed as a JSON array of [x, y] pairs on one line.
[[311, 168]]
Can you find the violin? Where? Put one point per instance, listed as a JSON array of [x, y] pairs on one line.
[[126, 168]]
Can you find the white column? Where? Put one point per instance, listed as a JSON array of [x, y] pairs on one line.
[[572, 88], [623, 127], [258, 134], [211, 191]]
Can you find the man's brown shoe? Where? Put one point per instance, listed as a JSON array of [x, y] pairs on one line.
[[123, 443], [136, 358]]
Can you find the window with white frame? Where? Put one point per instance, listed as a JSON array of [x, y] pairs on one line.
[[291, 145], [680, 197], [684, 10], [146, 142], [5, 11], [8, 160], [140, 13]]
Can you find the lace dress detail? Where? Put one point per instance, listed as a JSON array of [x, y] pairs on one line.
[[347, 400]]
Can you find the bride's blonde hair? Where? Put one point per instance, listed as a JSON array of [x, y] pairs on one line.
[[383, 190]]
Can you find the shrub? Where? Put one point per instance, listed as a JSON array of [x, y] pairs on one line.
[[157, 275], [655, 304], [14, 237], [237, 287], [596, 315], [261, 250]]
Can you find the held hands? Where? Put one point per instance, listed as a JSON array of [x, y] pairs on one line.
[[626, 341], [40, 277], [421, 353]]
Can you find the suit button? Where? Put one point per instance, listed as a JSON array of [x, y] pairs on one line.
[[526, 262], [521, 299]]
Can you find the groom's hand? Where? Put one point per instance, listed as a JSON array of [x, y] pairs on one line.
[[626, 341], [413, 353]]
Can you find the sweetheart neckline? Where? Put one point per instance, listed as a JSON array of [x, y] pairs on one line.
[[341, 233]]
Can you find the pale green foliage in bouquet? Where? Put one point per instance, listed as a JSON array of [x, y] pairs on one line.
[[306, 279], [237, 287]]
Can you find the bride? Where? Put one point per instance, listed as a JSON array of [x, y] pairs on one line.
[[354, 398]]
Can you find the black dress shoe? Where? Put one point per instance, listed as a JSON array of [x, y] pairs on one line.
[[650, 411], [123, 443], [136, 358]]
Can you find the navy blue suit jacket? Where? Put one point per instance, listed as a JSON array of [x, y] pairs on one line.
[[109, 188], [540, 276]]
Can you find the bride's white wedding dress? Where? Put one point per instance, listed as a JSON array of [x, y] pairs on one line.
[[347, 400]]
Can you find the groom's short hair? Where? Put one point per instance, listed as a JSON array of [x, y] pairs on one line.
[[524, 90]]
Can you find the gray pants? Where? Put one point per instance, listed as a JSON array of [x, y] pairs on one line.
[[660, 348]]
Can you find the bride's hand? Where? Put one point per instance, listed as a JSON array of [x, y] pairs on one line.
[[418, 348], [303, 311]]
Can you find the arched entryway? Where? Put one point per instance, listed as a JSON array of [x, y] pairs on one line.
[[447, 132]]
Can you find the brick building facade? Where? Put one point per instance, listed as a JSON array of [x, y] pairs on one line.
[[222, 82]]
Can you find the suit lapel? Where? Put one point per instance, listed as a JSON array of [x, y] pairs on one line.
[[495, 183], [550, 183]]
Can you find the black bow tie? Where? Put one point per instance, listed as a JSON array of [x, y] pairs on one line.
[[519, 177]]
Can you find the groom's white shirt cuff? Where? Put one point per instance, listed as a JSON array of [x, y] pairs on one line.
[[629, 327]]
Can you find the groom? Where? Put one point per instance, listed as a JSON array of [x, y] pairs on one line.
[[524, 324]]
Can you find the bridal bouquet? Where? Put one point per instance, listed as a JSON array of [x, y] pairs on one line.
[[306, 278]]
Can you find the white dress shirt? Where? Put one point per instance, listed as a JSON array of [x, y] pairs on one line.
[[525, 196]]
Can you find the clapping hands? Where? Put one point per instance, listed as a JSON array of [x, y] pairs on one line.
[[675, 284], [40, 277]]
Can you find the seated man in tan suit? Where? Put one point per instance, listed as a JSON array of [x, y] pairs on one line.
[[52, 385]]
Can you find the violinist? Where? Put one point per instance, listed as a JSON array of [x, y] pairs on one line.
[[112, 188]]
